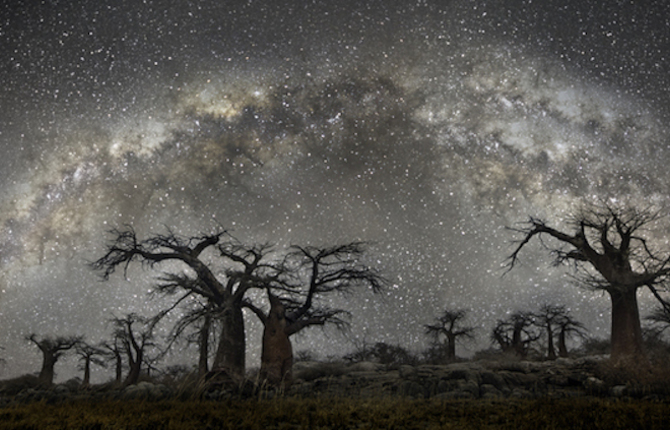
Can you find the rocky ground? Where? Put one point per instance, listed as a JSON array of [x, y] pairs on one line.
[[562, 378]]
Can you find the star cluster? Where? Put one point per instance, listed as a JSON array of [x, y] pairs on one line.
[[423, 127]]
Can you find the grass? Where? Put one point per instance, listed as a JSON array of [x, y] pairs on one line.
[[341, 413]]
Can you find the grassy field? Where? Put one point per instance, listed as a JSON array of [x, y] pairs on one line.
[[389, 413]]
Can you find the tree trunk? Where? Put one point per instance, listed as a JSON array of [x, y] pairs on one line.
[[551, 351], [562, 348], [46, 376], [277, 354], [87, 373], [135, 369], [203, 346], [451, 347], [230, 354], [626, 330], [118, 366]]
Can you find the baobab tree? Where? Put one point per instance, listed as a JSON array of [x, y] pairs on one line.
[[609, 253], [244, 268], [202, 316], [89, 354], [52, 349], [134, 340], [516, 333], [308, 275], [450, 327], [567, 327]]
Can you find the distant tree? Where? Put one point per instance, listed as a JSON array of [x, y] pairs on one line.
[[382, 353], [52, 349], [608, 240], [449, 327], [135, 334], [89, 354], [567, 327], [556, 321], [516, 333], [308, 276], [114, 353]]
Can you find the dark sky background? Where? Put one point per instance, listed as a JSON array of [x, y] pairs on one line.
[[425, 127]]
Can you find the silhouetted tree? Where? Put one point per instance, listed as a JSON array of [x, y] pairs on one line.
[[547, 318], [52, 349], [607, 239], [516, 333], [203, 318], [449, 326], [134, 341], [244, 268], [307, 277], [114, 353], [89, 354], [567, 327]]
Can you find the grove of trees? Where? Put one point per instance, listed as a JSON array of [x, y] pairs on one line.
[[608, 251]]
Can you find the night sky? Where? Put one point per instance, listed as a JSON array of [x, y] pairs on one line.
[[424, 127]]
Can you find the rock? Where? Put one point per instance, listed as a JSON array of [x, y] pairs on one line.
[[619, 390], [145, 390], [407, 372]]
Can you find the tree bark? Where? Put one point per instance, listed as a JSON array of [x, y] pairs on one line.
[[135, 368], [551, 351], [203, 346], [562, 347], [86, 382], [277, 354], [46, 376], [451, 347], [626, 329], [231, 351]]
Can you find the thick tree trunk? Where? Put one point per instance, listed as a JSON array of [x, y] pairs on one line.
[[230, 354], [135, 369], [626, 329], [118, 366], [46, 376], [87, 373], [203, 346], [562, 348], [277, 354], [451, 347], [551, 351]]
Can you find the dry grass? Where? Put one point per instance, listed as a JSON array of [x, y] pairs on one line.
[[341, 413]]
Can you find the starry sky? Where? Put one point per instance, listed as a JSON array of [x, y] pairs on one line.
[[424, 127]]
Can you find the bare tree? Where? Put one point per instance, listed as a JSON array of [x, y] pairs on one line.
[[52, 349], [89, 354], [202, 316], [450, 327], [567, 327], [308, 276], [547, 318], [134, 341], [114, 353], [607, 239], [516, 333], [244, 268]]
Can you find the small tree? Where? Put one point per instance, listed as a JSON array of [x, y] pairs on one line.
[[516, 333], [52, 349], [134, 341], [557, 322], [568, 327], [89, 354], [449, 326]]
